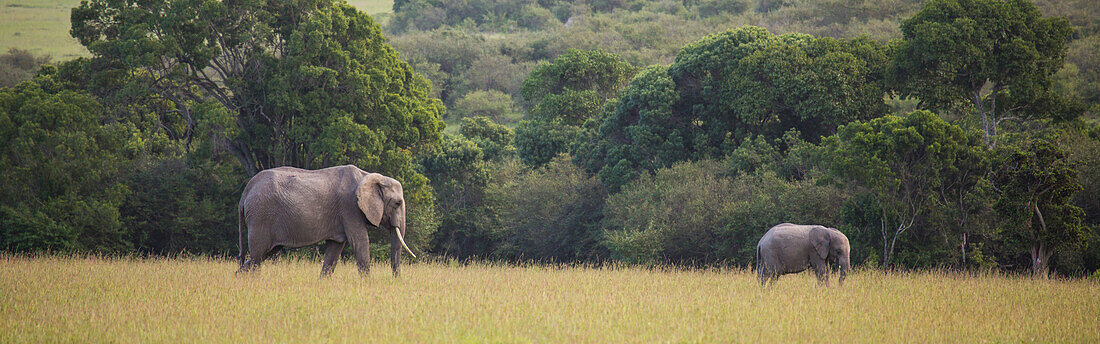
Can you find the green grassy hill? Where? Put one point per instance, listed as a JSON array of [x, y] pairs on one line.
[[42, 26], [39, 26]]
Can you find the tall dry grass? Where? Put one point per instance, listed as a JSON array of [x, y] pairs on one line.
[[57, 299]]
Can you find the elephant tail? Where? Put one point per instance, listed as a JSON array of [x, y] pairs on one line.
[[756, 259], [240, 236]]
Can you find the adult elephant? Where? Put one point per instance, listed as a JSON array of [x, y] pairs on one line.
[[790, 248], [288, 207]]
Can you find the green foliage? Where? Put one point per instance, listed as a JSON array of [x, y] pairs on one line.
[[563, 95], [494, 140], [642, 132], [996, 58], [538, 142], [459, 175], [695, 213], [184, 205], [551, 213], [576, 70], [460, 63], [734, 85], [486, 14], [1037, 180], [748, 72], [710, 8], [909, 163], [492, 71], [61, 159], [1080, 78], [493, 104], [312, 83]]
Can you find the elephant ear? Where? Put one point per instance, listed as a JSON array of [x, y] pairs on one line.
[[369, 195], [819, 238]]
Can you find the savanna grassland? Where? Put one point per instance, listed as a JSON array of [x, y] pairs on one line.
[[42, 26], [39, 26], [52, 299]]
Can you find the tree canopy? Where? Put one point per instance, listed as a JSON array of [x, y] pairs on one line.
[[564, 94], [62, 156], [732, 85], [307, 83], [905, 161], [994, 57]]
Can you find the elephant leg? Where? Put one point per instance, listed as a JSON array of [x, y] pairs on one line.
[[256, 255], [246, 266], [765, 274], [332, 254], [395, 255], [272, 252], [360, 245], [822, 272]]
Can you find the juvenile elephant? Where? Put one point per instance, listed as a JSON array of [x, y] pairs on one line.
[[288, 207], [790, 248]]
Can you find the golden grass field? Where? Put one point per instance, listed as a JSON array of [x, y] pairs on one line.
[[42, 26], [56, 299]]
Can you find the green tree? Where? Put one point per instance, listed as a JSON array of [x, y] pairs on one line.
[[1037, 180], [642, 132], [747, 81], [905, 162], [494, 140], [538, 142], [996, 58], [597, 71], [731, 86], [459, 175], [61, 160], [306, 83], [310, 83], [564, 94], [184, 204]]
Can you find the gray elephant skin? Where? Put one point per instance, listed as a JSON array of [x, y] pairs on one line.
[[790, 248], [289, 207]]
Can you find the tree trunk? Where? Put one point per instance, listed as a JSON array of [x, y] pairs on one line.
[[1040, 260], [1040, 252], [962, 249], [885, 248]]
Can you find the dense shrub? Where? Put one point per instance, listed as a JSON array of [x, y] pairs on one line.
[[62, 159], [495, 140], [551, 213], [459, 177], [495, 105], [695, 213], [710, 8], [19, 65]]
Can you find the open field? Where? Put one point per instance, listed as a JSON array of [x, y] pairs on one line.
[[51, 299], [42, 26]]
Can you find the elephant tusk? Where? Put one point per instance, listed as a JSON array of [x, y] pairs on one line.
[[397, 231]]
